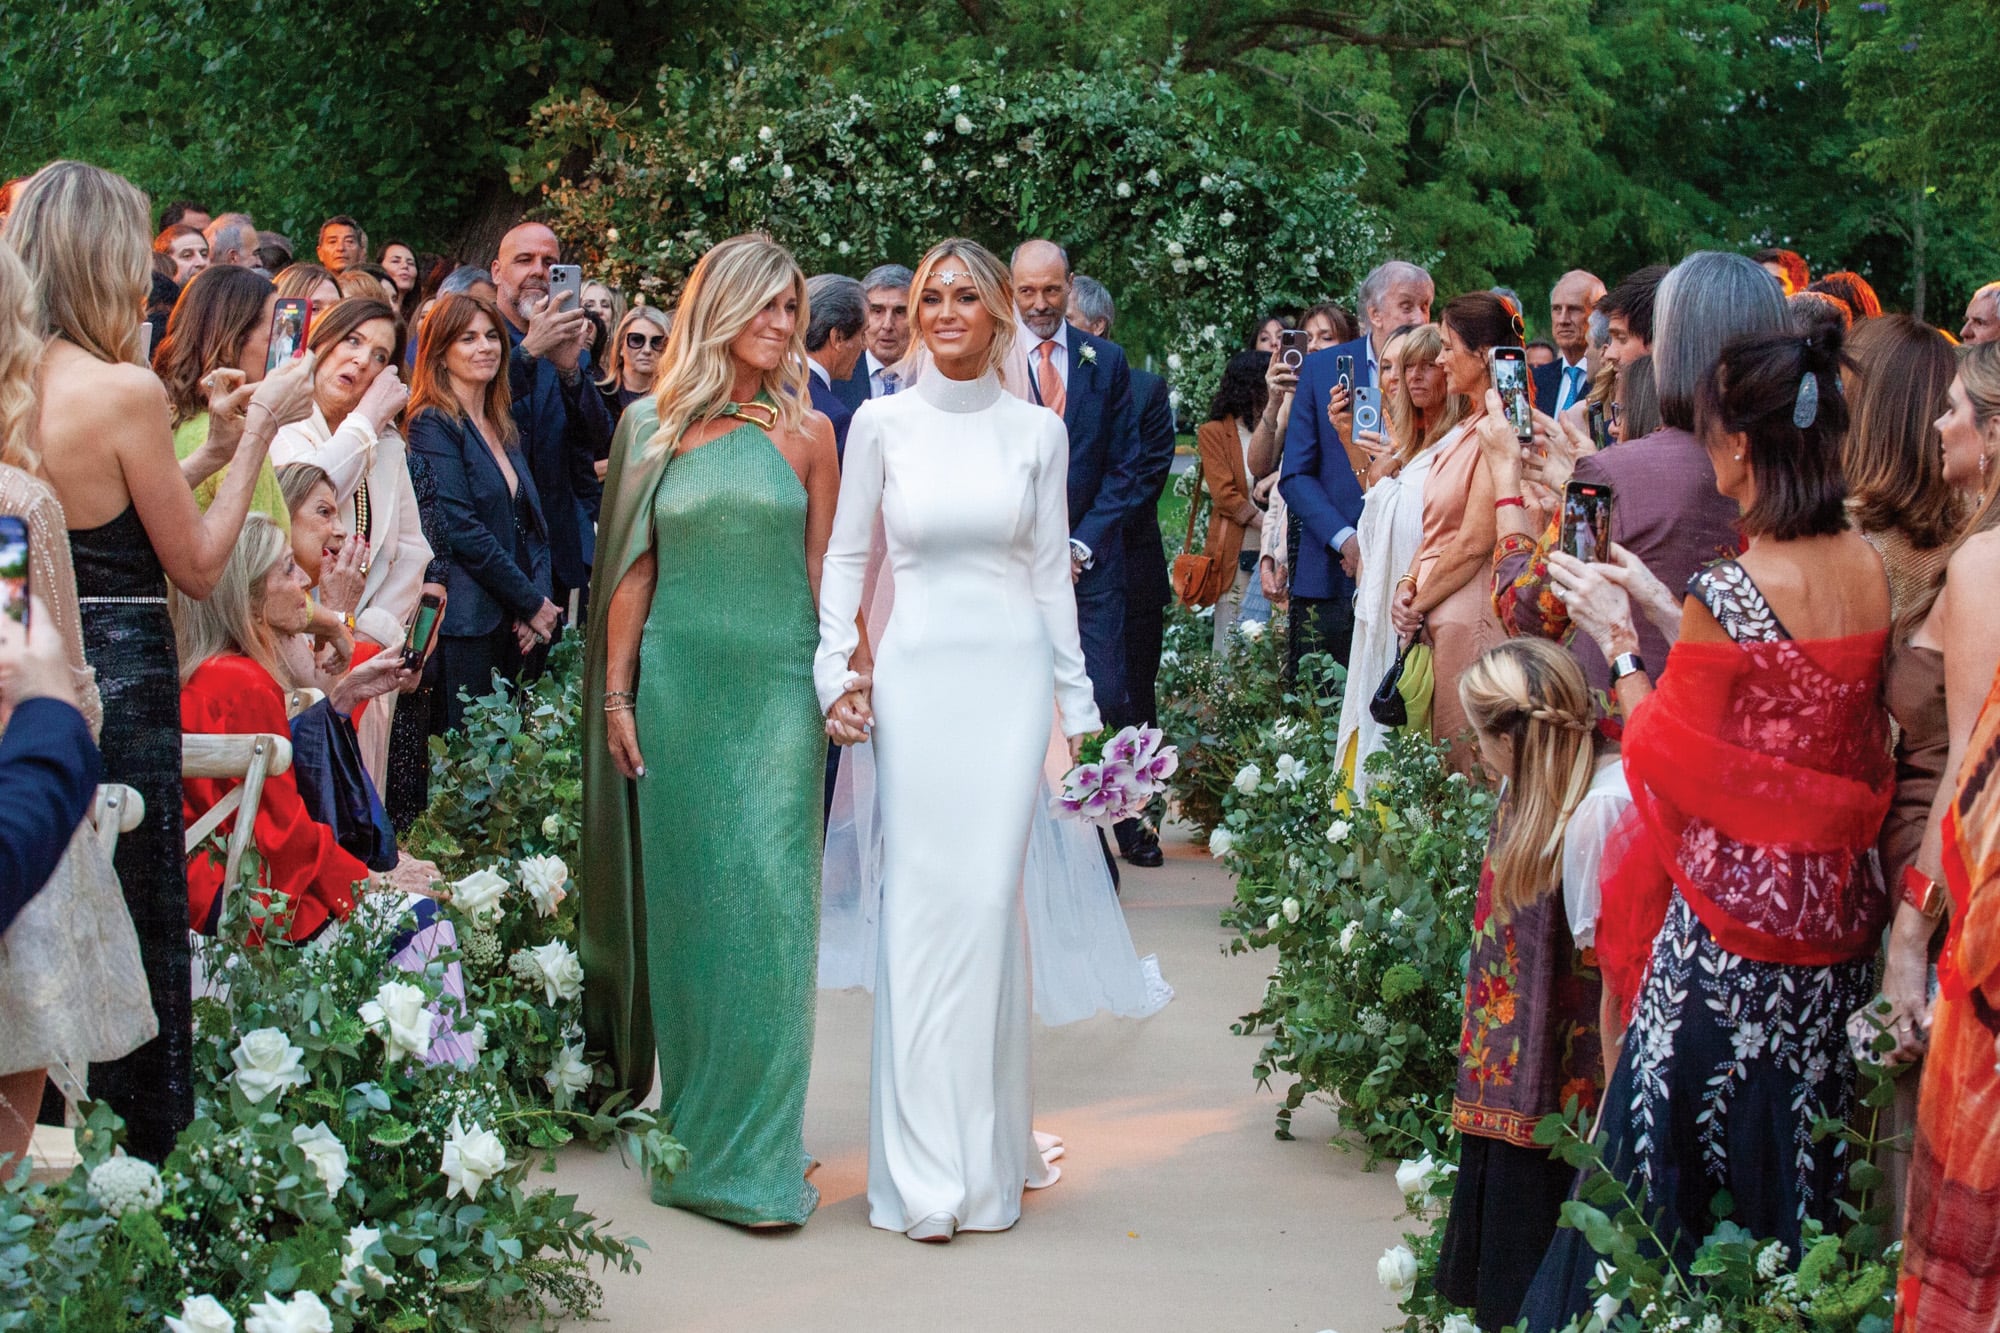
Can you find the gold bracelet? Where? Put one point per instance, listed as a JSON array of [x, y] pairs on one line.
[[617, 708], [1410, 579]]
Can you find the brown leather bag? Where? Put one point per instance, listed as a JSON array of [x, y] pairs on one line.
[[1199, 579]]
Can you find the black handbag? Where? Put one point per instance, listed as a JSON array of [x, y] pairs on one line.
[[326, 762], [1386, 705]]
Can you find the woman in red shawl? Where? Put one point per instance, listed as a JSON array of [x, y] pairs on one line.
[[1741, 907]]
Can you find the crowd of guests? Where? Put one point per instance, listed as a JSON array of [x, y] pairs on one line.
[[1743, 750]]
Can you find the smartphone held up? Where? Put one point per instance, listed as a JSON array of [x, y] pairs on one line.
[[291, 322], [1510, 381], [1586, 521], [14, 569]]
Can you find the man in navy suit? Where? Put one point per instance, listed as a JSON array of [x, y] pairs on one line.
[[1147, 587], [886, 295], [1565, 382], [1085, 380], [833, 345], [1318, 475]]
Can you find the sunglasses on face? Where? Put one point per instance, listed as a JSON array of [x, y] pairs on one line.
[[639, 342]]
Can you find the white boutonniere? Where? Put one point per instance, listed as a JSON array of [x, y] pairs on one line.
[[1088, 353]]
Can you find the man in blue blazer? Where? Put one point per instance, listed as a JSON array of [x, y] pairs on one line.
[[1087, 380], [885, 338], [1565, 381], [1318, 477], [1147, 587], [833, 345]]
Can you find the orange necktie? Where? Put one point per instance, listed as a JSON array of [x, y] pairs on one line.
[[1049, 380]]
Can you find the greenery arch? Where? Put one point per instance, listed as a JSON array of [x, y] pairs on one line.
[[1163, 196]]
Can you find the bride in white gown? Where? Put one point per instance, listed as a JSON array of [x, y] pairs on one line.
[[971, 487]]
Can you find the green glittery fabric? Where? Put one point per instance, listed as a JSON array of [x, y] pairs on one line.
[[700, 928]]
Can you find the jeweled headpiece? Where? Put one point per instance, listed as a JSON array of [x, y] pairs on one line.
[[949, 276]]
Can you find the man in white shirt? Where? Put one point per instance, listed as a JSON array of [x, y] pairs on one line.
[[1566, 381], [885, 336]]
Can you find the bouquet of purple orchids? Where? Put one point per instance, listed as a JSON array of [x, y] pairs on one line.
[[1128, 771]]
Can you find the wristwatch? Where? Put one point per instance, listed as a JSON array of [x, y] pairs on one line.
[[1626, 664], [1923, 893]]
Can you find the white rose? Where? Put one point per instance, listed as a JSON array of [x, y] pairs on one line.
[[326, 1153], [1209, 331], [1124, 189], [952, 92], [1271, 922], [1397, 1270], [1201, 263], [1458, 1323], [1348, 934], [267, 1062], [1414, 1178], [932, 136], [927, 165], [478, 895], [397, 1015], [844, 247], [1337, 831], [1247, 778], [303, 1313], [552, 826], [562, 975], [545, 878], [736, 164], [1219, 843], [202, 1314], [1208, 182], [786, 174], [1225, 217], [765, 134], [1252, 630], [1290, 771], [471, 1158], [1290, 907], [962, 123], [1605, 1308], [611, 235], [1153, 176], [1173, 360], [570, 1074], [475, 1038], [1175, 249]]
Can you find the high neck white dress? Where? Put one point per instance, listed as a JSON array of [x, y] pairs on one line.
[[971, 486]]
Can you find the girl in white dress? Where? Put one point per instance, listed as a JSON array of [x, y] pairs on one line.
[[971, 485]]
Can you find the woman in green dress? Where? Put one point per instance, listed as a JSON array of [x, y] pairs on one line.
[[705, 749]]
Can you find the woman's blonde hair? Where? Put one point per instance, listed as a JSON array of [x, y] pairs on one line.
[[729, 287], [297, 482], [21, 347], [1979, 372], [613, 377], [83, 234], [232, 619], [1420, 346], [991, 278], [1532, 693], [305, 280]]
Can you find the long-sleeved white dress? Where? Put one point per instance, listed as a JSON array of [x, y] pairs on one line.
[[972, 488]]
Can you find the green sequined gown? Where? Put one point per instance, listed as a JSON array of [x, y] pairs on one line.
[[730, 814]]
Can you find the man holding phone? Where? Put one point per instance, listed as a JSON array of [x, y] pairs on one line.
[[563, 421], [1317, 478]]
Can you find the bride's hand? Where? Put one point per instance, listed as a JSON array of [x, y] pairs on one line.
[[621, 736], [848, 721], [1076, 746]]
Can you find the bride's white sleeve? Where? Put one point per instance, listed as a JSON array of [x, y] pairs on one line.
[[1054, 592], [845, 566]]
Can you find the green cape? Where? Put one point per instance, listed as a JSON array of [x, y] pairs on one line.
[[617, 1010]]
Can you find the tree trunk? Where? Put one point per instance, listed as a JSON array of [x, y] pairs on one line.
[[495, 210], [1917, 246]]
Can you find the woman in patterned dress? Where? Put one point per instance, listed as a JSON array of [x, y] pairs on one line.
[[1741, 906]]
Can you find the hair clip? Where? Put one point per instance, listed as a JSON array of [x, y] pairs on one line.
[[1805, 410], [949, 276]]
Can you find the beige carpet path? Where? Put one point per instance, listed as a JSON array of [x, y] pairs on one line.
[[1177, 1209]]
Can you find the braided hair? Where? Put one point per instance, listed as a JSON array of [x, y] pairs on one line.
[[1532, 694]]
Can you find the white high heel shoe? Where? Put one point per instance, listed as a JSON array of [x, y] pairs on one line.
[[937, 1229]]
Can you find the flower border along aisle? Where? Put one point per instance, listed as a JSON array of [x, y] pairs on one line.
[[341, 1173]]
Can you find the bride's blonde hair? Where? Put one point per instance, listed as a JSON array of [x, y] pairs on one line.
[[731, 284], [990, 278]]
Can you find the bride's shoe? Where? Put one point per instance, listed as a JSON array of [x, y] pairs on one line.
[[937, 1229]]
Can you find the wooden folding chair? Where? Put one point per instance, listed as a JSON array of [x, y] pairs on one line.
[[253, 758], [117, 809]]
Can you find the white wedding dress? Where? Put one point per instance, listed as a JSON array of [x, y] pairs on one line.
[[971, 486], [1391, 529]]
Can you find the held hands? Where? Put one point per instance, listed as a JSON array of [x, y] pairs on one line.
[[556, 335], [1599, 606], [1272, 579], [539, 629], [849, 720]]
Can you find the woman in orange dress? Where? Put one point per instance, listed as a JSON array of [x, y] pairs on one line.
[[1951, 1249], [1445, 594]]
